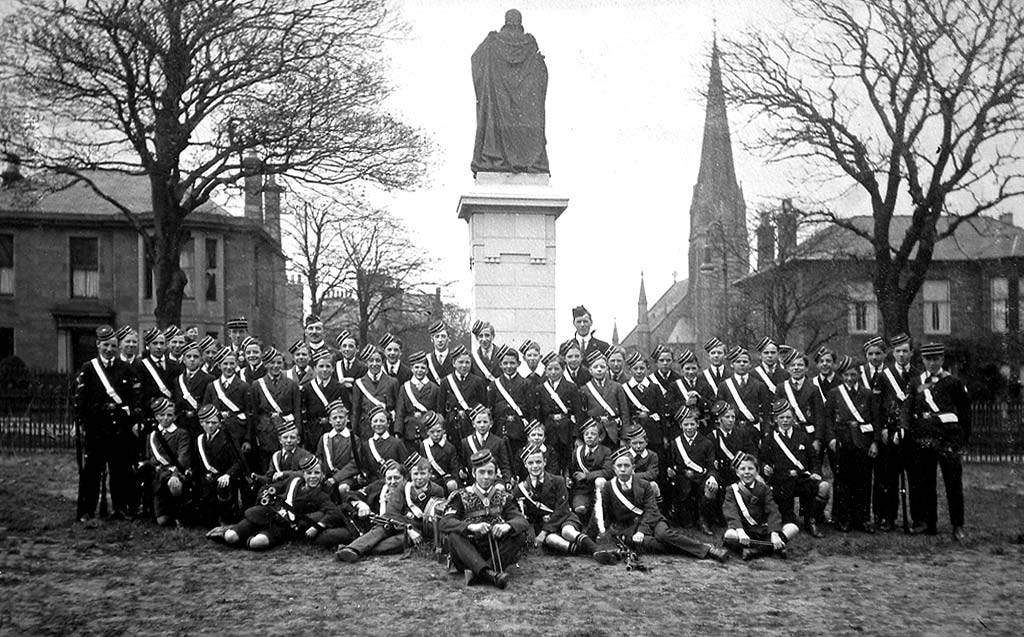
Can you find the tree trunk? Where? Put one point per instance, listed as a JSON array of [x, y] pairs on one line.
[[168, 237], [893, 302]]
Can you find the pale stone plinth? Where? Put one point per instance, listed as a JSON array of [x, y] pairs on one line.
[[512, 254]]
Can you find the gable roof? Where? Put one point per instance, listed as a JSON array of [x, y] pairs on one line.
[[658, 313]]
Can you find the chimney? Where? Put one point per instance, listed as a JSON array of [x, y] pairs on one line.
[[12, 170], [1007, 217], [251, 169], [787, 222], [272, 208], [765, 241]]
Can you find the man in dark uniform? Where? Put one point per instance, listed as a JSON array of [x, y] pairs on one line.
[[484, 520], [105, 396], [238, 331], [890, 390], [938, 422], [584, 335], [313, 335]]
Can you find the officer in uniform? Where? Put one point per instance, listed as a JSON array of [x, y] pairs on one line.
[[313, 335], [584, 336], [483, 520], [238, 331], [937, 419], [105, 396]]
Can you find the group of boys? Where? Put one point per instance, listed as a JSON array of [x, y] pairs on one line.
[[481, 448]]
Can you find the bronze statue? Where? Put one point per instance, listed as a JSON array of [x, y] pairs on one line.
[[511, 82]]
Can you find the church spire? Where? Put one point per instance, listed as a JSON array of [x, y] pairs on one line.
[[717, 172], [643, 325]]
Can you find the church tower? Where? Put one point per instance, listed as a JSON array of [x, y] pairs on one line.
[[719, 250]]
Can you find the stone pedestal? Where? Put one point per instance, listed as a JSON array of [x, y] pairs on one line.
[[512, 254]]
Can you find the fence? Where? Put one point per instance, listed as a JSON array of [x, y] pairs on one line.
[[36, 414]]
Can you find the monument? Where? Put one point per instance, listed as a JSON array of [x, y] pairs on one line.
[[512, 208]]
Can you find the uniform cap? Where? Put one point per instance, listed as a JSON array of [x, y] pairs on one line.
[[412, 460], [368, 351], [529, 450], [635, 432], [634, 358], [343, 336], [548, 358], [478, 327], [765, 342], [712, 343], [823, 352], [659, 350], [207, 411], [736, 352], [335, 405], [192, 345], [534, 424], [570, 344], [874, 341], [687, 357], [388, 339], [313, 319], [238, 323], [579, 311], [150, 335], [308, 462], [431, 418], [621, 452], [206, 342], [249, 340], [160, 404], [588, 423], [296, 346], [504, 351], [270, 354], [171, 331], [719, 408], [104, 333], [595, 356], [388, 465], [785, 350], [377, 409], [437, 327], [285, 426], [457, 351], [477, 410], [527, 345], [899, 339], [790, 356], [221, 354], [322, 354], [123, 332], [843, 364], [481, 458], [684, 413], [780, 407], [933, 349], [418, 357]]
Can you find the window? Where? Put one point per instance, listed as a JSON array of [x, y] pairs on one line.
[[863, 309], [6, 342], [1000, 289], [187, 263], [211, 270], [936, 307], [85, 267], [6, 264]]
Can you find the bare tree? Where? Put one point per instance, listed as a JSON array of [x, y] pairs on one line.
[[180, 91], [312, 230], [918, 104]]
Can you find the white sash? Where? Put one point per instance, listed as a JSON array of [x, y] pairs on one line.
[[742, 406], [107, 387], [526, 494], [789, 454], [817, 383], [433, 368], [686, 457], [186, 394], [850, 406], [764, 377], [293, 486], [725, 449], [555, 397], [600, 399], [800, 417], [710, 378], [325, 440], [219, 389], [148, 364], [430, 457], [508, 398], [412, 397], [370, 397], [579, 458], [633, 398], [458, 392], [902, 395], [202, 454], [864, 375], [524, 369], [480, 363], [567, 376], [339, 369], [270, 399], [276, 460], [743, 505], [382, 500], [946, 417], [683, 390], [471, 441], [416, 511], [156, 452], [373, 451], [319, 392], [623, 499]]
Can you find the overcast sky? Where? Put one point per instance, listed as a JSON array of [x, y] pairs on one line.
[[624, 126]]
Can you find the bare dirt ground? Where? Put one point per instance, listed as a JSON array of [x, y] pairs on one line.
[[131, 578]]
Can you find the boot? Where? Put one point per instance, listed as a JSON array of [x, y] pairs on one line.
[[812, 527], [585, 545]]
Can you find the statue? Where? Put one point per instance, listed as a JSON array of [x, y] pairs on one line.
[[511, 82]]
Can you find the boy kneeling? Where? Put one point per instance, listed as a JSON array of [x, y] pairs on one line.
[[545, 502], [754, 525], [481, 519]]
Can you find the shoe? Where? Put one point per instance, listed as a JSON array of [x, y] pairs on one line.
[[886, 526], [704, 528], [868, 528], [813, 530], [718, 554], [346, 555], [500, 580], [958, 534], [606, 557]]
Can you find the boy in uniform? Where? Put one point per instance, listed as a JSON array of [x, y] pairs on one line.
[[380, 446], [854, 438], [105, 395], [190, 387], [715, 374], [253, 362], [560, 408], [890, 390], [486, 361], [751, 514], [747, 395], [274, 397], [483, 438], [286, 461], [793, 469], [316, 395], [441, 454], [232, 398], [374, 390], [544, 500], [630, 511], [604, 400], [127, 344], [393, 365], [575, 371], [770, 372], [589, 468], [416, 397], [665, 377], [804, 398], [691, 463], [439, 361], [646, 402], [510, 400], [336, 452], [168, 464], [347, 366], [483, 520], [461, 392], [645, 462], [301, 370], [531, 368], [219, 472]]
